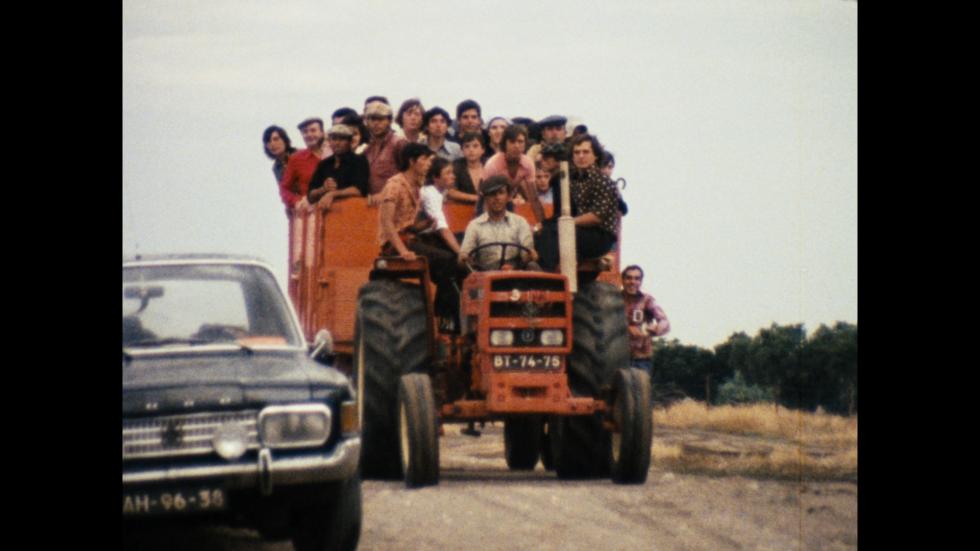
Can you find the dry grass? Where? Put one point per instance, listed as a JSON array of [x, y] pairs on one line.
[[785, 444]]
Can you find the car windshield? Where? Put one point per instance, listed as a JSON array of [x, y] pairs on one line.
[[202, 304]]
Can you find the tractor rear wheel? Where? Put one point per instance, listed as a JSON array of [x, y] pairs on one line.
[[579, 446], [632, 414], [390, 339], [600, 343], [600, 346], [522, 442], [417, 437]]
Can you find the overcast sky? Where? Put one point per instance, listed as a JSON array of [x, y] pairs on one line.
[[734, 124]]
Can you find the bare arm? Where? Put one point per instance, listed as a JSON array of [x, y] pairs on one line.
[[391, 233], [462, 196]]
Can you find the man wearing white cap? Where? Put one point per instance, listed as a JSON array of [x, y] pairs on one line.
[[343, 174], [383, 148]]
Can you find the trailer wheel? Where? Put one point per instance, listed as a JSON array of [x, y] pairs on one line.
[[417, 438], [522, 442], [390, 339], [632, 413]]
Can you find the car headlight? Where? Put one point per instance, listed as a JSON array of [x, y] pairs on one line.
[[501, 337], [552, 337], [294, 426], [230, 441]]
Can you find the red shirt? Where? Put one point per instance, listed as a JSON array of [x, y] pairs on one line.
[[641, 309], [296, 180]]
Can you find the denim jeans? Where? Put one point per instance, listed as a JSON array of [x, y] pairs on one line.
[[646, 364]]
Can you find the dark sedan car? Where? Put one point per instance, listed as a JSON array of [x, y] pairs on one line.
[[227, 416]]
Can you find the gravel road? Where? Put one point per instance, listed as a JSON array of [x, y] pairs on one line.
[[480, 504]]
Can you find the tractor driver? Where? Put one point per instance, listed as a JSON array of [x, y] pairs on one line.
[[498, 225]]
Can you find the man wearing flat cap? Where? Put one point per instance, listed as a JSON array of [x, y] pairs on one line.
[[497, 225], [552, 132], [295, 180], [343, 174], [383, 148]]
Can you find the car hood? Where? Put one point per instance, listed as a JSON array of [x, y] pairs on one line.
[[187, 382]]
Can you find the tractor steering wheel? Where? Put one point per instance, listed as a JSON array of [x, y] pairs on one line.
[[518, 261]]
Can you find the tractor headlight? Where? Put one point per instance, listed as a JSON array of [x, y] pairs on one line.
[[294, 426], [501, 337], [552, 337]]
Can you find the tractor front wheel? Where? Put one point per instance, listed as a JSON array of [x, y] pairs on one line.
[[631, 412], [417, 436]]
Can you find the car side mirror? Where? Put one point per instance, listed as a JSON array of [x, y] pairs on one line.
[[322, 346]]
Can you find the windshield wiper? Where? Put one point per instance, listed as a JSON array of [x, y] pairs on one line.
[[168, 340], [142, 343]]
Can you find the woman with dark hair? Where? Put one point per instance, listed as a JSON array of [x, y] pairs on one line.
[[495, 129], [595, 206], [278, 148], [360, 138], [409, 119]]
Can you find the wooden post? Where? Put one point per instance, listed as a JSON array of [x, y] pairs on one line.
[[707, 391]]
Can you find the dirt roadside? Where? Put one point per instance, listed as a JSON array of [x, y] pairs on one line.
[[481, 504]]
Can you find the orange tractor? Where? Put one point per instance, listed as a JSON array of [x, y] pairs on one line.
[[544, 354]]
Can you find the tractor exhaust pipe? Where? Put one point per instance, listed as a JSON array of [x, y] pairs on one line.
[[566, 232]]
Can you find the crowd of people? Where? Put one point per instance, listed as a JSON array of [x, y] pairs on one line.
[[407, 161]]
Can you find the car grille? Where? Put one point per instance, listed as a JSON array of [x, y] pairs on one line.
[[181, 435]]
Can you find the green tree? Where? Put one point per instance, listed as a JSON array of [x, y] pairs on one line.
[[775, 359], [680, 368]]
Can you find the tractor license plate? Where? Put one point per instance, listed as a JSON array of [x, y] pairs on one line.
[[527, 361], [174, 500]]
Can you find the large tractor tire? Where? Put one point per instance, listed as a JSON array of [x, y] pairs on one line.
[[600, 342], [417, 436], [581, 448], [633, 415], [390, 340], [522, 442]]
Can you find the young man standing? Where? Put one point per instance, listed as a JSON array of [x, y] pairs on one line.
[[436, 123], [517, 167], [383, 148], [299, 170], [644, 317], [469, 118]]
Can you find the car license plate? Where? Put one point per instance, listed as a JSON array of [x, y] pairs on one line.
[[526, 361], [174, 500]]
